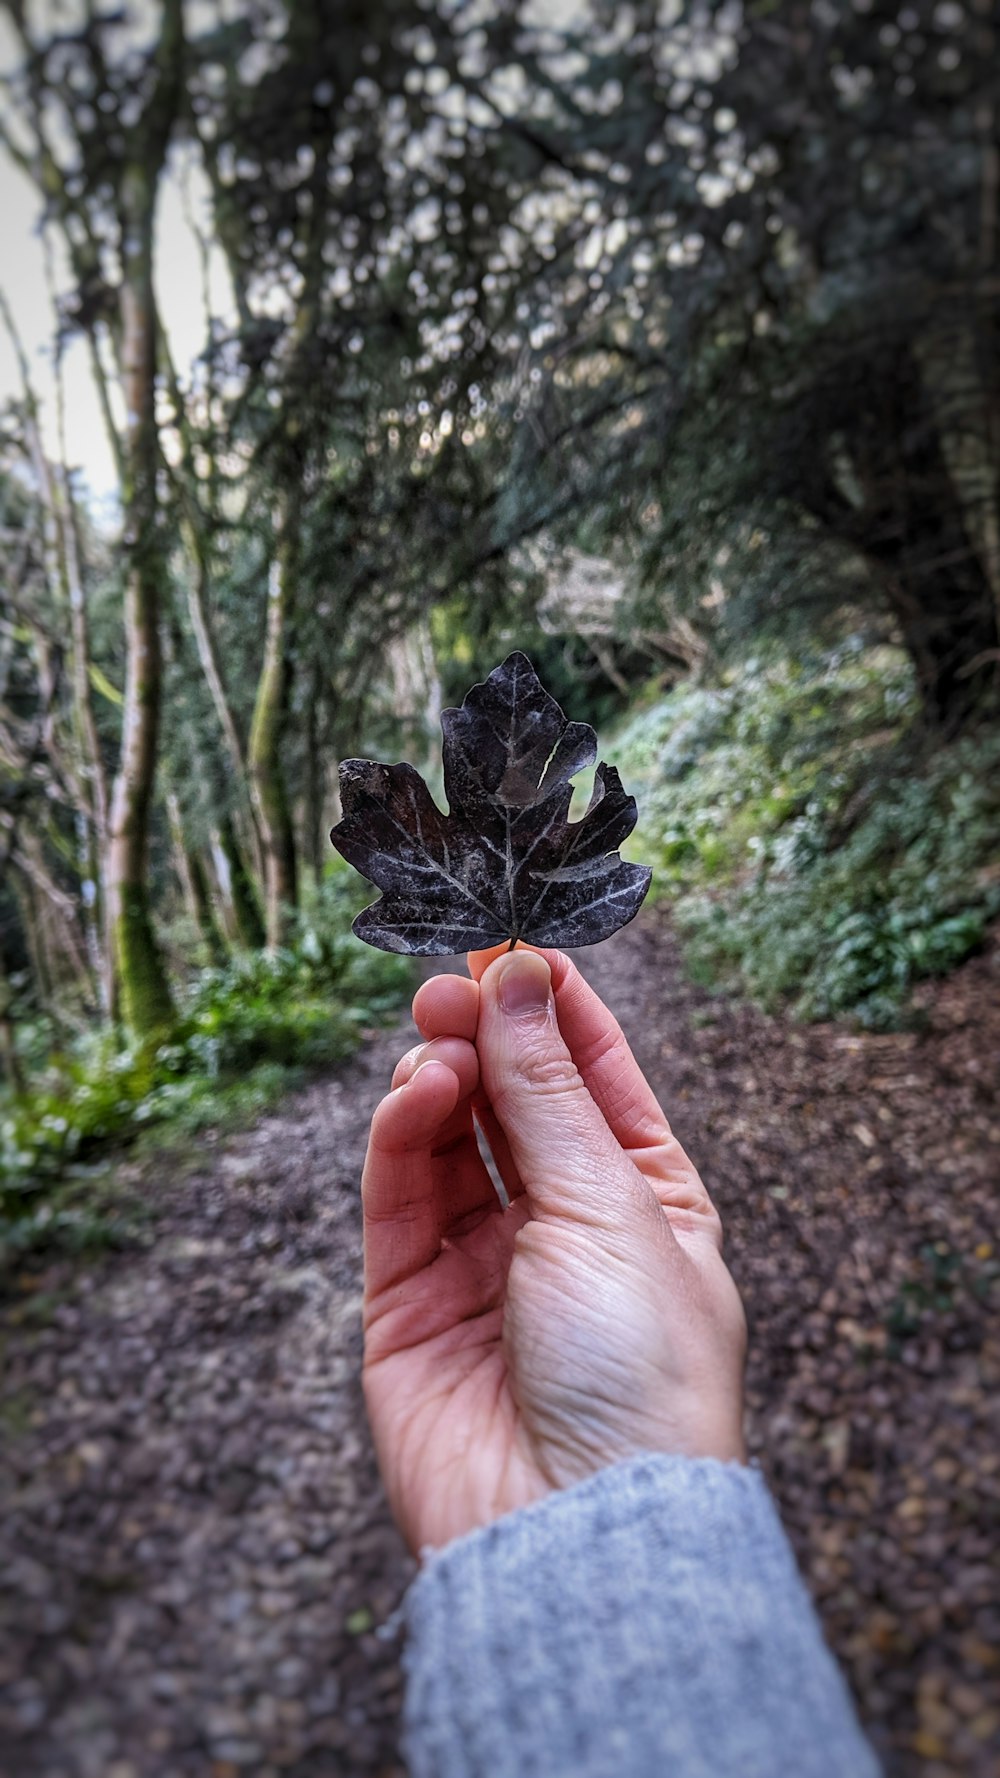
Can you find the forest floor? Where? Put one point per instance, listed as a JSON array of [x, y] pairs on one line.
[[200, 1568]]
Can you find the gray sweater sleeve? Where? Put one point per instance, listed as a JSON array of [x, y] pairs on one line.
[[647, 1623]]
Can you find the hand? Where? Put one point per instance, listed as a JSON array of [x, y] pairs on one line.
[[510, 1352]]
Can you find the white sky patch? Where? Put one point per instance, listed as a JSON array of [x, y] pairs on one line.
[[179, 284], [27, 292], [562, 14]]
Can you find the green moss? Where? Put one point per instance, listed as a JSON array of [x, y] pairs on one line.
[[146, 1003]]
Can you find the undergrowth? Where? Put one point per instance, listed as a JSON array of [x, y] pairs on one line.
[[817, 852], [246, 1032]]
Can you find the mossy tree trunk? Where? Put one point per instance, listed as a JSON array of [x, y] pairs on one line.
[[10, 1061], [194, 886], [267, 783], [314, 849], [145, 998], [303, 431], [236, 902]]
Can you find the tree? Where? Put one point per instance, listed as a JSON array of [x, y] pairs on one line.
[[370, 330], [46, 843], [60, 600], [99, 182], [769, 258]]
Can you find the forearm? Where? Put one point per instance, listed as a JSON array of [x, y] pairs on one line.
[[650, 1621]]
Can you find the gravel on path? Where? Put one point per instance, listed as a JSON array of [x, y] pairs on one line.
[[200, 1571]]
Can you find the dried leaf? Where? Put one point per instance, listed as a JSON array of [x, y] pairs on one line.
[[505, 862]]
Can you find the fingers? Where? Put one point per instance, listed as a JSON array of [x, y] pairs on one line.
[[447, 1006], [423, 1172], [455, 1052], [564, 1151], [614, 1079], [450, 1004], [600, 1051], [401, 1213], [608, 1068]]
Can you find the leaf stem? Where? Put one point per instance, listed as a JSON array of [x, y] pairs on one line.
[[510, 947]]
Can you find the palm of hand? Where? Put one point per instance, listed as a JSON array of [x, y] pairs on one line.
[[510, 1352], [448, 1427]]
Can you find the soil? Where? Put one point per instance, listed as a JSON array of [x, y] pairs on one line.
[[200, 1569]]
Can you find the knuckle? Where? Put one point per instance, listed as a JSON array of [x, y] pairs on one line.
[[536, 1075], [550, 1073]]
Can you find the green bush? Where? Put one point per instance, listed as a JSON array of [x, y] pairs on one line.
[[816, 855], [299, 1005], [244, 1030]]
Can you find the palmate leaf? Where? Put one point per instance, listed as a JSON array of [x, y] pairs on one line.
[[505, 862]]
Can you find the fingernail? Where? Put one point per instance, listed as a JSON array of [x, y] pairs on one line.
[[525, 986]]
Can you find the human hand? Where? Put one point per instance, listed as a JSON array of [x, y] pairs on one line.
[[510, 1352]]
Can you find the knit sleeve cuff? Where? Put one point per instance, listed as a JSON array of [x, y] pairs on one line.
[[647, 1622]]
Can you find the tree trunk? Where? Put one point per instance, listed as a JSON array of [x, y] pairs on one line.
[[208, 657], [94, 831], [237, 903], [313, 850], [61, 555], [60, 933], [40, 919], [212, 933], [66, 936], [269, 717], [197, 533], [912, 526], [191, 876], [145, 995], [27, 907], [83, 715], [936, 586], [949, 632], [10, 1061], [268, 790]]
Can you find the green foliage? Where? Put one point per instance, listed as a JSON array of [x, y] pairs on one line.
[[302, 1004], [472, 635], [243, 1029], [81, 1216], [816, 855]]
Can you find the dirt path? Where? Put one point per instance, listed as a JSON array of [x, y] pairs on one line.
[[197, 1556]]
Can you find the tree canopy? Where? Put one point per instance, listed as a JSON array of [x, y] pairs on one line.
[[708, 291]]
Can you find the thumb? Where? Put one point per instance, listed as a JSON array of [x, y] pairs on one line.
[[567, 1158]]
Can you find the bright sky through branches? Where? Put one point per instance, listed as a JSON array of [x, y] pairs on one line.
[[179, 288]]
